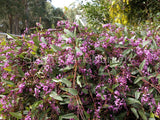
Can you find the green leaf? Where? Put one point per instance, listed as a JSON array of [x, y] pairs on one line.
[[78, 81], [158, 76], [66, 68], [151, 115], [17, 115], [36, 40], [154, 43], [114, 65], [135, 112], [100, 49], [78, 50], [64, 80], [133, 101], [20, 71], [55, 96], [134, 72], [137, 95], [126, 52], [8, 69], [71, 90], [68, 116], [67, 82], [142, 114], [69, 33], [55, 48], [9, 82], [35, 105], [137, 80], [114, 86], [43, 40], [142, 64], [87, 115], [145, 43]]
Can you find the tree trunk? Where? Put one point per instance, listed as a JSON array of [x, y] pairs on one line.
[[10, 22]]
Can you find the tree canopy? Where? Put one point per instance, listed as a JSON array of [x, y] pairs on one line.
[[16, 15]]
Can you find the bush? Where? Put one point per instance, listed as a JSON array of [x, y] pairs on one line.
[[75, 73]]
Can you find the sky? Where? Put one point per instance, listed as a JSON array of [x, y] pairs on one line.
[[62, 3]]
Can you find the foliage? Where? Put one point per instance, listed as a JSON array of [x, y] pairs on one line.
[[142, 10], [117, 12], [71, 12], [96, 12], [16, 15], [111, 75], [126, 12]]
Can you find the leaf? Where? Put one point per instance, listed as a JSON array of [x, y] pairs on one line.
[[69, 33], [154, 43], [135, 112], [126, 52], [55, 96], [9, 82], [142, 64], [55, 48], [134, 72], [152, 115], [87, 115], [137, 95], [66, 68], [64, 80], [67, 82], [36, 104], [114, 65], [68, 116], [100, 49], [78, 81], [78, 50], [8, 69], [142, 114], [137, 80], [20, 71], [36, 40], [71, 90], [133, 101], [145, 43], [43, 40], [17, 115], [114, 86]]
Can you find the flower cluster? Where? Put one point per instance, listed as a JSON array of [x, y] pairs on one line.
[[98, 75]]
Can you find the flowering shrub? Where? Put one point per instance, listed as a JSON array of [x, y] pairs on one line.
[[74, 73]]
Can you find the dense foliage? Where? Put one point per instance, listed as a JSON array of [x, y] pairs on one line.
[[75, 73], [16, 15], [126, 12]]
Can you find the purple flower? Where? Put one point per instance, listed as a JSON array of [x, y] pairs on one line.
[[43, 45], [79, 54], [36, 91], [38, 61], [45, 88], [98, 59], [69, 40], [28, 117], [21, 87]]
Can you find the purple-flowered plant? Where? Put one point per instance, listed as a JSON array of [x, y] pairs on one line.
[[79, 74]]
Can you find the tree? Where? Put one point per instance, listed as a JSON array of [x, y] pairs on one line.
[[72, 11], [122, 11], [16, 15]]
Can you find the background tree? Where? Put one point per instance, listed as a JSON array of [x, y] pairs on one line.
[[96, 12], [142, 10], [16, 15], [72, 11], [134, 11]]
